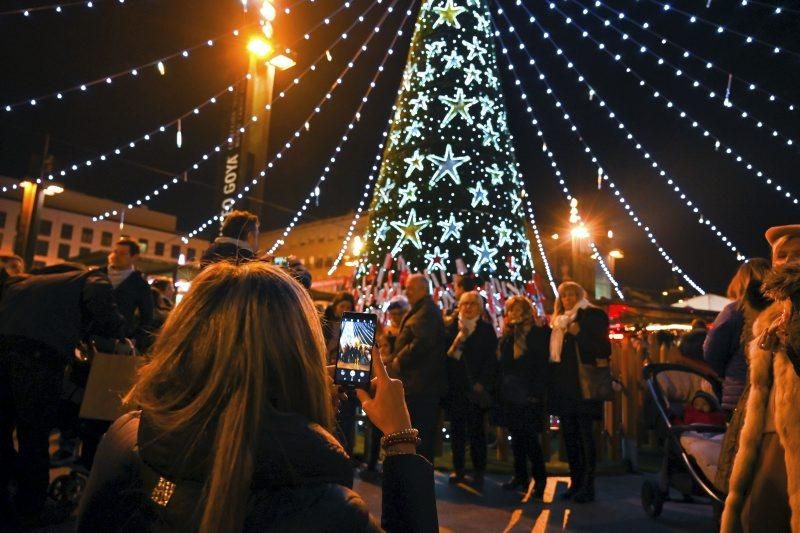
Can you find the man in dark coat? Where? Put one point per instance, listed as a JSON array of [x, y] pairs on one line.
[[237, 242], [131, 292], [42, 320], [471, 376], [418, 360]]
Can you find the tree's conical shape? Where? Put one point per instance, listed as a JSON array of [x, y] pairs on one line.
[[448, 187]]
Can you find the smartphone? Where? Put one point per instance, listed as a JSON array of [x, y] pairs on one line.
[[356, 341]]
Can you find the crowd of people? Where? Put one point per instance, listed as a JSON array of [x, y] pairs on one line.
[[236, 423]]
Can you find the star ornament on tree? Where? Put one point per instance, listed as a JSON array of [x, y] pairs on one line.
[[490, 136], [380, 233], [409, 231], [415, 162], [476, 49], [448, 166], [459, 106], [513, 269], [420, 102], [408, 193], [413, 130], [472, 74], [426, 76], [485, 255], [453, 60], [385, 191], [479, 195], [451, 228], [503, 234], [437, 259], [448, 14], [495, 173]]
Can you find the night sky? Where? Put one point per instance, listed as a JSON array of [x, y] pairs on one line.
[[48, 52]]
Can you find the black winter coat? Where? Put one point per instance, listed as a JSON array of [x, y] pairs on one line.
[[524, 380], [478, 363], [225, 251], [302, 482], [59, 310], [420, 350], [593, 343], [136, 305]]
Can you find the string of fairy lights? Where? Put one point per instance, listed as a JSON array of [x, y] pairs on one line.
[[718, 145], [540, 246], [298, 132], [702, 219], [159, 65], [315, 191], [59, 7], [242, 128], [562, 181], [685, 52]]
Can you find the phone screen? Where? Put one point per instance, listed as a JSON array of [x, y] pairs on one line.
[[356, 340]]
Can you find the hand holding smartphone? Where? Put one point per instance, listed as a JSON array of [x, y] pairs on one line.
[[356, 344]]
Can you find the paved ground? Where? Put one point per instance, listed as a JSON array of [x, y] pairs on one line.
[[617, 509]]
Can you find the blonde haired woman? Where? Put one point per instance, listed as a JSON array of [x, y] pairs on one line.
[[234, 428], [580, 334]]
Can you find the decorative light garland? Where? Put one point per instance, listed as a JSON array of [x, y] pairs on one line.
[[57, 8], [298, 132], [720, 29], [562, 181], [695, 83], [315, 191], [109, 78], [540, 245], [670, 105], [703, 220], [777, 10], [686, 53], [216, 149]]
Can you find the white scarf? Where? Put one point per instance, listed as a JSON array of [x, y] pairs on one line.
[[465, 329], [560, 324], [116, 276]]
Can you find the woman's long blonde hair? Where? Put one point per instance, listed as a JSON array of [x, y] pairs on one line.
[[244, 341], [752, 270], [580, 292]]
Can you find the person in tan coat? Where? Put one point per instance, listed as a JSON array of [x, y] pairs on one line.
[[764, 491]]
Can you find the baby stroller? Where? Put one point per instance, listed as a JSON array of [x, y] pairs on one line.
[[691, 450]]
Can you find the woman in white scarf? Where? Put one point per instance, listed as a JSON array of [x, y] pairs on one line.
[[579, 335]]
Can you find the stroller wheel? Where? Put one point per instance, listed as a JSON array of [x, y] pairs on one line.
[[652, 499], [67, 489]]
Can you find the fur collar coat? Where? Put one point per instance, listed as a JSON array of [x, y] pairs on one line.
[[767, 369]]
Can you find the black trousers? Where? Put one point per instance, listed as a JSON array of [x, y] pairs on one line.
[[524, 426], [466, 422], [579, 443], [30, 390], [424, 411]]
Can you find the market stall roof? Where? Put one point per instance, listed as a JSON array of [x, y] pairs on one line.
[[706, 302]]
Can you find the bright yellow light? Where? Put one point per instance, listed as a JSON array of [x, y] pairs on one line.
[[358, 245], [282, 62], [616, 254], [52, 190], [664, 293], [25, 184], [610, 234], [580, 232], [259, 47], [555, 236], [268, 11]]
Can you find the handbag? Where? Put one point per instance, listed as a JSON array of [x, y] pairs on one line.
[[596, 381]]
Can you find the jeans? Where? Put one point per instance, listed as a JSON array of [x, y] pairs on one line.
[[466, 422], [30, 390], [424, 411]]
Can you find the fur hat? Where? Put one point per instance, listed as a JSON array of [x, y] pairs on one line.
[[776, 232]]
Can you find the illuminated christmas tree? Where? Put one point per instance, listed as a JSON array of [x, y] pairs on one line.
[[449, 187]]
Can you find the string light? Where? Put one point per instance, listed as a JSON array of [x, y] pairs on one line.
[[695, 83], [540, 245], [562, 181], [298, 132], [686, 53], [243, 128], [719, 146], [315, 191], [109, 78], [58, 8], [702, 220], [718, 28]]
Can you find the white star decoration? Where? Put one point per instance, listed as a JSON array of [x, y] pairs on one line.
[[448, 14], [472, 74], [451, 228], [485, 255], [481, 22], [437, 259], [408, 193], [476, 49], [380, 233], [513, 269], [415, 162], [490, 137], [420, 102], [448, 166], [487, 106], [516, 201], [426, 76], [409, 231], [503, 234], [459, 105], [492, 80], [495, 173], [434, 48], [385, 191], [414, 129], [453, 60], [479, 195]]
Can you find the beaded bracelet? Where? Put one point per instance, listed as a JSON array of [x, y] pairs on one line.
[[406, 436]]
